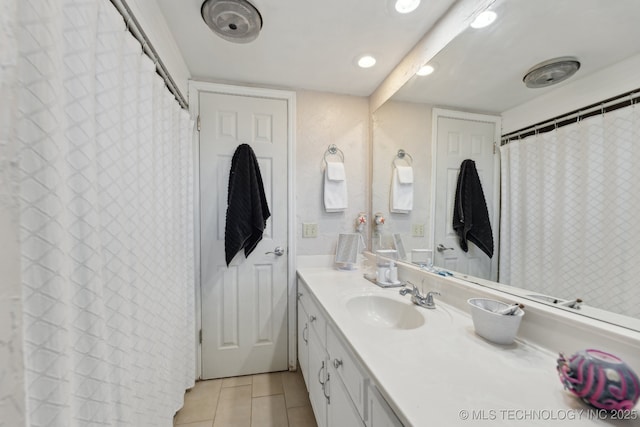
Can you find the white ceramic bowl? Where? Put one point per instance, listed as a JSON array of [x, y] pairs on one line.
[[497, 328]]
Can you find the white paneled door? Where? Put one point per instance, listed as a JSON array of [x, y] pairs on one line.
[[459, 136], [244, 305]]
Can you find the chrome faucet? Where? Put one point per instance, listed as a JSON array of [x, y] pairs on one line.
[[417, 298], [572, 304]]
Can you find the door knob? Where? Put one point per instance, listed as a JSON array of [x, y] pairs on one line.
[[442, 248], [277, 251]]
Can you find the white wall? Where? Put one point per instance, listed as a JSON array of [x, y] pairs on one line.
[[324, 119], [408, 126]]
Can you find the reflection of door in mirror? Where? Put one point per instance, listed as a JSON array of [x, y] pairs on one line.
[[459, 136]]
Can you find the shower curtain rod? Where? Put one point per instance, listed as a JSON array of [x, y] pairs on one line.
[[134, 27], [620, 101]]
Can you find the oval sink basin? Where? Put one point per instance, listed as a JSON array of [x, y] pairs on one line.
[[385, 312]]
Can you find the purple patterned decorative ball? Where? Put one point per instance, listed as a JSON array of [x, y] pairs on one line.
[[600, 379]]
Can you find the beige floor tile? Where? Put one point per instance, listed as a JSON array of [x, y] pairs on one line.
[[200, 403], [295, 391], [236, 381], [207, 423], [234, 407], [267, 384], [196, 410], [301, 416], [209, 389], [269, 411]]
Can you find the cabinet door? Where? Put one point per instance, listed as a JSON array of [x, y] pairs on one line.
[[303, 342], [380, 414], [318, 362], [341, 411], [348, 370]]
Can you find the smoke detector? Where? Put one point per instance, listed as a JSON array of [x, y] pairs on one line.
[[550, 72]]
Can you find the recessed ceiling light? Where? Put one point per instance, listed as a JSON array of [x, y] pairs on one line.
[[407, 6], [425, 70], [485, 19], [366, 61]]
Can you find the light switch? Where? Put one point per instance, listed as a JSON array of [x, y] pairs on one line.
[[417, 230], [309, 229]]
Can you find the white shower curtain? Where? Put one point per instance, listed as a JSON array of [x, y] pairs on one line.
[[570, 203], [106, 222]]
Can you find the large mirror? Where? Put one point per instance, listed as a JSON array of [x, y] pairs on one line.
[[478, 79]]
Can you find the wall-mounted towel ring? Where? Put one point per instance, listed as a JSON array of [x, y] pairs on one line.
[[333, 150], [403, 155]]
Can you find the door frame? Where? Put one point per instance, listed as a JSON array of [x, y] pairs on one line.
[[486, 118], [195, 87]]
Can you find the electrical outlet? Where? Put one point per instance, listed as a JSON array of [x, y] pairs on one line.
[[309, 229], [417, 230]]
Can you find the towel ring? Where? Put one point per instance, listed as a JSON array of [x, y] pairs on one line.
[[333, 150], [402, 155]]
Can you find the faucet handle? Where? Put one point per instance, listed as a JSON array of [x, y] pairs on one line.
[[414, 289], [430, 295], [404, 291]]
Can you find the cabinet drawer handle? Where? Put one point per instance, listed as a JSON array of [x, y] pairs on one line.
[[324, 389], [300, 294], [320, 375], [337, 363], [306, 329], [312, 318]]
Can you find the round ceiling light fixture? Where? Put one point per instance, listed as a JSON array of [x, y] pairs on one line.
[[407, 6], [425, 70], [550, 72], [366, 61], [237, 21], [484, 19]]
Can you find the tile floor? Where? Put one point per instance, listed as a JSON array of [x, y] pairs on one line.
[[277, 399]]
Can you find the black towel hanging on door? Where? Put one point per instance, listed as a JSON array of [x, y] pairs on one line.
[[470, 214], [247, 209]]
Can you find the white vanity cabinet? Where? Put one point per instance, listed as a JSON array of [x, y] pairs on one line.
[[303, 340], [312, 354], [341, 410], [379, 412], [337, 383], [318, 378], [347, 370]]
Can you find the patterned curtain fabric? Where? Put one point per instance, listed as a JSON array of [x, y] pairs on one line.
[[570, 202], [106, 222]]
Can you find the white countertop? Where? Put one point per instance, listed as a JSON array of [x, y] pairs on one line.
[[442, 373]]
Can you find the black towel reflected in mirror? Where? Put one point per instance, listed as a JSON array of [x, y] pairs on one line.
[[470, 214]]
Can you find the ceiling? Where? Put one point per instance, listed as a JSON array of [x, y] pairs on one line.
[[482, 70], [304, 44]]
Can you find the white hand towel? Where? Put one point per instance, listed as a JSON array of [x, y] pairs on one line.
[[402, 193], [405, 174], [335, 171], [335, 190]]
